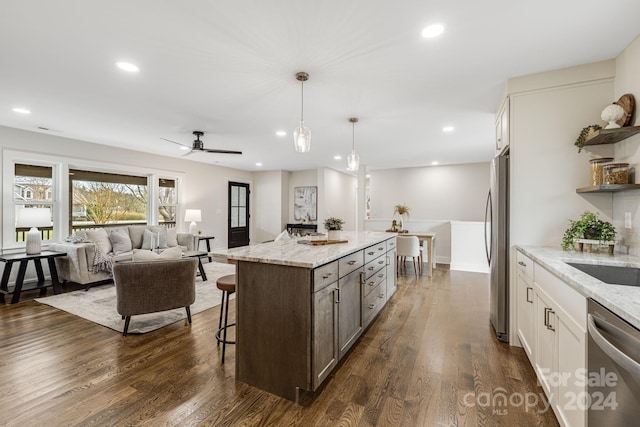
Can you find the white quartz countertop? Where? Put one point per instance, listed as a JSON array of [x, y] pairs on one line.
[[623, 300], [292, 253]]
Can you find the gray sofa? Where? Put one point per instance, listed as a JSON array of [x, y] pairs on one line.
[[80, 266]]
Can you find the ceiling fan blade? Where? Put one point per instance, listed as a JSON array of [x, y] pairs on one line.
[[213, 150], [177, 143], [187, 153]]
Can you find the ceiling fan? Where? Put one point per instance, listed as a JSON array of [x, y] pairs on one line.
[[199, 145]]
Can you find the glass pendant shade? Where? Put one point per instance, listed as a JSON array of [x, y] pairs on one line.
[[353, 161], [302, 134], [302, 138]]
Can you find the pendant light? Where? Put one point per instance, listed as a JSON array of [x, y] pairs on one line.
[[302, 134], [353, 160]]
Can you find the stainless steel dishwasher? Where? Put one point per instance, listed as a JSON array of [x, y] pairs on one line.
[[613, 382]]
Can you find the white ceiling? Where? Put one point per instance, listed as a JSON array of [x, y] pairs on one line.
[[227, 68]]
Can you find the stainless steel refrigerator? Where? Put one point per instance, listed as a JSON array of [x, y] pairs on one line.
[[496, 224]]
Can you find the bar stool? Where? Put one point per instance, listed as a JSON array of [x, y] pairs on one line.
[[227, 284]]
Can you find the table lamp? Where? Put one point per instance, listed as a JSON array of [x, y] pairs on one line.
[[194, 216], [34, 218]]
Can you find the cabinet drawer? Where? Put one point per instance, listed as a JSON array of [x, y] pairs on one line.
[[525, 264], [373, 281], [374, 251], [372, 267], [391, 244], [325, 275], [373, 303], [350, 262]]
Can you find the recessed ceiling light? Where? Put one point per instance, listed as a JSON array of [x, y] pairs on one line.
[[337, 157], [367, 176], [126, 66], [281, 133], [258, 164], [184, 148], [435, 163], [448, 129], [21, 110], [432, 31]]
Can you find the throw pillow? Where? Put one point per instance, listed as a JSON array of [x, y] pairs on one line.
[[172, 237], [100, 237], [282, 236], [120, 242], [153, 240], [144, 255], [161, 233]]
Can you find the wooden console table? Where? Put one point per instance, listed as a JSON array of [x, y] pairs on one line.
[[10, 259]]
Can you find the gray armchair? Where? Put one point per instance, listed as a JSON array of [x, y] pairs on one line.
[[152, 286]]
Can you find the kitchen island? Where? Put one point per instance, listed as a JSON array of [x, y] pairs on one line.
[[301, 307]]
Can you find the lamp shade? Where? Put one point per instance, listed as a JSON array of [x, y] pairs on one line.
[[193, 215], [33, 217]]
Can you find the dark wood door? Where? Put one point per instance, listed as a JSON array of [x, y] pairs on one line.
[[238, 233]]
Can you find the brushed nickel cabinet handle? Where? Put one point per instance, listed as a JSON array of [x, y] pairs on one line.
[[380, 248], [372, 306], [371, 283], [380, 295], [351, 262], [546, 316], [522, 263], [381, 262], [326, 276], [370, 253], [381, 275], [549, 326], [337, 291], [527, 297], [371, 268]]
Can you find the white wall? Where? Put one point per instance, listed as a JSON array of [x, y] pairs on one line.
[[547, 112], [468, 247], [340, 197], [270, 213], [453, 192], [307, 178], [205, 186], [628, 151], [436, 195]]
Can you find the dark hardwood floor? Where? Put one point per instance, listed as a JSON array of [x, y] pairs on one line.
[[430, 359]]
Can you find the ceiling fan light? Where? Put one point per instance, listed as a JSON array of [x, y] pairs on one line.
[[353, 161], [302, 139]]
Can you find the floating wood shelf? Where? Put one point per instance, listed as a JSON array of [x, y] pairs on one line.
[[611, 136], [608, 188]]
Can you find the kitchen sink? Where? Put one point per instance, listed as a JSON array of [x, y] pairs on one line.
[[611, 274]]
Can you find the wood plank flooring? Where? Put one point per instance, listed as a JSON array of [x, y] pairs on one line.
[[430, 359]]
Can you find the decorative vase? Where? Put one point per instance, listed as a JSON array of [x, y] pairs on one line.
[[333, 234]]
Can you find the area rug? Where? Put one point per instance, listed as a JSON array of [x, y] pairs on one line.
[[98, 304]]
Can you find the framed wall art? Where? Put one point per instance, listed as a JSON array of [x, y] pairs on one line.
[[305, 203]]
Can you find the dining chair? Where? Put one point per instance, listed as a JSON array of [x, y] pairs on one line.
[[408, 246]]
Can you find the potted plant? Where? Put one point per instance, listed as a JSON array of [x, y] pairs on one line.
[[400, 212], [589, 226], [333, 225]]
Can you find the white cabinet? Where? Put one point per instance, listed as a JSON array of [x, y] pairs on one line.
[[525, 303], [502, 127], [560, 346], [551, 325]]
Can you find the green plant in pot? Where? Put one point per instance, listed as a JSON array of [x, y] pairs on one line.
[[333, 225], [589, 226]]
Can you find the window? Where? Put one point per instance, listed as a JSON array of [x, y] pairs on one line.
[[100, 199], [32, 188], [167, 202]]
